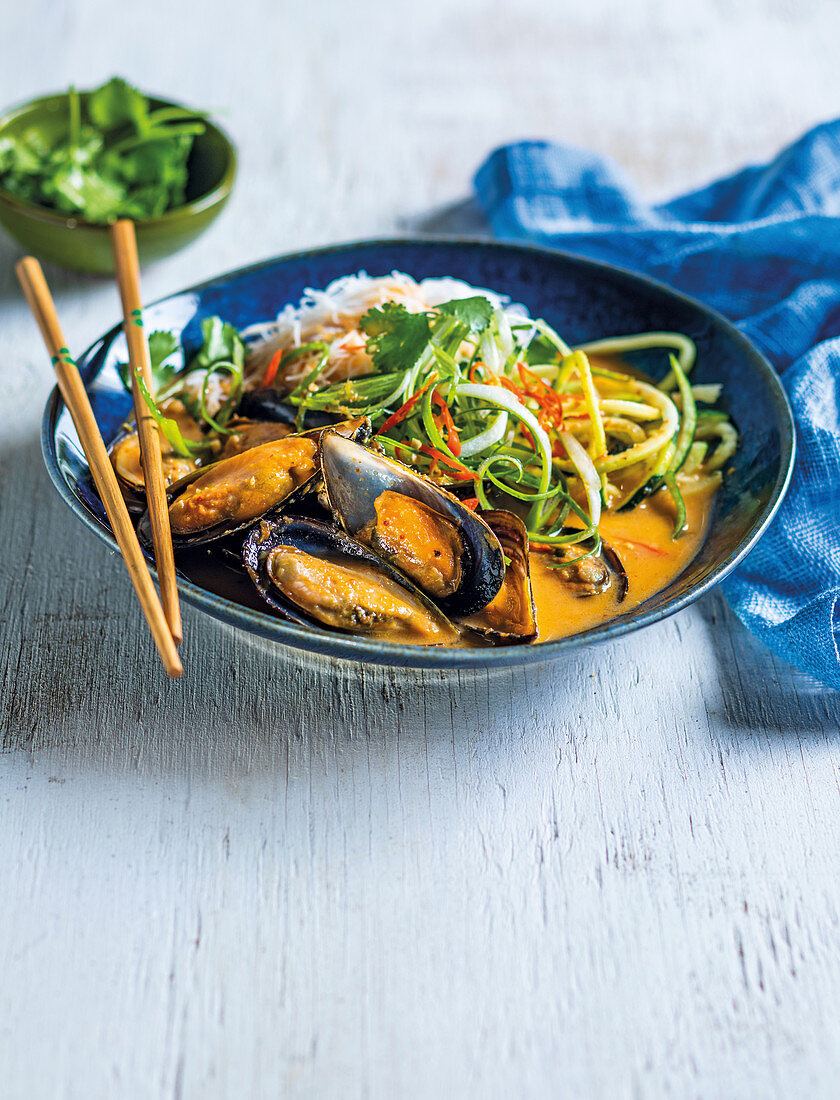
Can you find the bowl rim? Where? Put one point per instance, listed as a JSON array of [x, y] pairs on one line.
[[208, 199], [369, 651]]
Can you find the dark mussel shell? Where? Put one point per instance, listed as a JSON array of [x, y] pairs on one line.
[[357, 429], [355, 476], [269, 404], [614, 562], [511, 616], [321, 541]]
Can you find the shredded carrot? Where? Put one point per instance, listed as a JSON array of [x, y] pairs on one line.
[[272, 368], [457, 469], [404, 410]]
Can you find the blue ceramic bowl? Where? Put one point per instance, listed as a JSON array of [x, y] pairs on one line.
[[582, 299]]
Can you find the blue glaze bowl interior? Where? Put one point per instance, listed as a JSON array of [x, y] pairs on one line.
[[584, 300]]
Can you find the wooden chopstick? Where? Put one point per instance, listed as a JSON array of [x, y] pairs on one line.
[[72, 388], [127, 268]]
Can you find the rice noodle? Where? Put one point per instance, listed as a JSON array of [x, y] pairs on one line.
[[333, 315]]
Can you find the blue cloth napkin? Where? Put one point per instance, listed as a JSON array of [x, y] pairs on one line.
[[763, 247]]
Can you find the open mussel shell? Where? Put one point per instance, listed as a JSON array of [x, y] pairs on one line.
[[230, 495], [124, 453], [355, 479], [510, 617], [316, 574]]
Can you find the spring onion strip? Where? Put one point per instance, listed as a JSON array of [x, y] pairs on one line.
[[546, 330], [231, 401], [309, 378], [493, 434], [168, 427], [594, 549], [485, 471], [303, 386], [557, 537], [437, 440], [587, 473], [512, 404], [553, 539]]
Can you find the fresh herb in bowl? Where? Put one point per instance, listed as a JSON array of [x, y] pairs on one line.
[[117, 156]]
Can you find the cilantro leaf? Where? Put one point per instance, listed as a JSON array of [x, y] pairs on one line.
[[116, 104], [476, 312], [396, 337], [162, 345], [74, 187], [222, 344]]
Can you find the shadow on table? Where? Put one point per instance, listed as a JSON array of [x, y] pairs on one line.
[[757, 687], [461, 218], [83, 686]]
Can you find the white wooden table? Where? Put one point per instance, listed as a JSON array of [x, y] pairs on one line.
[[616, 876]]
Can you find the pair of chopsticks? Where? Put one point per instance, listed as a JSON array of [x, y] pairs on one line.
[[162, 614]]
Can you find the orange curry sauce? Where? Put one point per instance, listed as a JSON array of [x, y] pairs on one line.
[[651, 558]]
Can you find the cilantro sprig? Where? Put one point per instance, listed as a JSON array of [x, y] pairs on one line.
[[222, 352], [114, 157]]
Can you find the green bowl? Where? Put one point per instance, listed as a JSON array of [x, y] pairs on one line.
[[85, 246]]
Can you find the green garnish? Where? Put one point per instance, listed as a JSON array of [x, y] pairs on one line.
[[465, 393], [222, 352], [396, 338], [162, 346], [115, 157], [476, 313]]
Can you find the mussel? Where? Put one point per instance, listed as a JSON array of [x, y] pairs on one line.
[[314, 573], [270, 404], [124, 452], [430, 536], [230, 495], [510, 616], [243, 434], [590, 574]]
